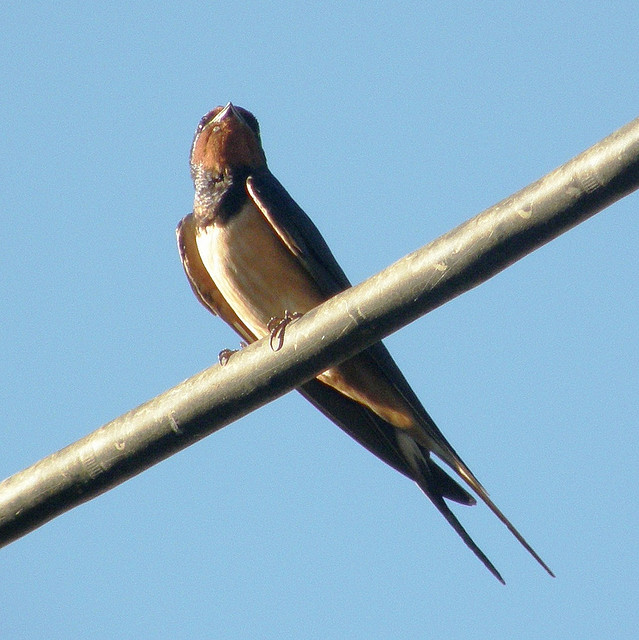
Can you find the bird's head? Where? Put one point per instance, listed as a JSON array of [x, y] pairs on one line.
[[226, 141]]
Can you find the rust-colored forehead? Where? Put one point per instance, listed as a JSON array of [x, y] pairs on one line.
[[205, 119], [246, 115], [227, 138]]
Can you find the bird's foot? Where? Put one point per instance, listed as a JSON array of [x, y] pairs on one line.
[[225, 355], [277, 326]]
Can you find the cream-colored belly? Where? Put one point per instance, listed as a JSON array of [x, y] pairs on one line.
[[260, 279], [254, 271]]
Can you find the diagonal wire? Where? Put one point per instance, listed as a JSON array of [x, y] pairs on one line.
[[348, 323]]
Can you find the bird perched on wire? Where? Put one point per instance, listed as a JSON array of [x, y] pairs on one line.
[[254, 258]]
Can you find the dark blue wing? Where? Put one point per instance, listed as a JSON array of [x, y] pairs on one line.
[[301, 236], [297, 232]]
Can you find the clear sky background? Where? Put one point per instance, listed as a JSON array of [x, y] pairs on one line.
[[389, 124]]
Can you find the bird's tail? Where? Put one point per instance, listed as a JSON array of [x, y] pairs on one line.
[[467, 475], [438, 485]]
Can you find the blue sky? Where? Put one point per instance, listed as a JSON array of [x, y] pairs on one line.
[[389, 124]]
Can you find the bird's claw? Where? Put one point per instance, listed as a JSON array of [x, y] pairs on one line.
[[277, 326], [225, 355]]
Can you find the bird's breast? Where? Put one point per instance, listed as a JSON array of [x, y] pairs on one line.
[[255, 272], [261, 279]]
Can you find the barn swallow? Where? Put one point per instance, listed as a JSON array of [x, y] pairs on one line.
[[251, 255]]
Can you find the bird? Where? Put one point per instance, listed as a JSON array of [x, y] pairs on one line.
[[255, 259]]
